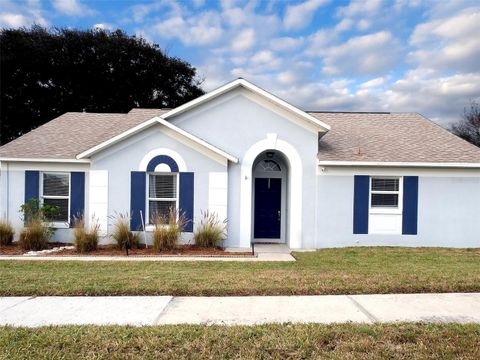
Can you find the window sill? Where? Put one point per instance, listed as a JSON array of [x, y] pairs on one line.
[[375, 211], [60, 225], [385, 233], [151, 228]]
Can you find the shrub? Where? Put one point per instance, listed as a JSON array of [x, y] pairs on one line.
[[211, 232], [6, 232], [122, 234], [33, 209], [86, 240], [35, 235], [37, 232], [167, 230]]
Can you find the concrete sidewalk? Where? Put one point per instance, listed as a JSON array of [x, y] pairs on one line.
[[243, 310]]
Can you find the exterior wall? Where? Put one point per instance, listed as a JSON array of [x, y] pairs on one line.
[[448, 209], [117, 162], [236, 122], [12, 192]]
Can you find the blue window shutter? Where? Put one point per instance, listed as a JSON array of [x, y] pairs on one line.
[[410, 205], [32, 185], [360, 204], [186, 198], [137, 199], [77, 195]]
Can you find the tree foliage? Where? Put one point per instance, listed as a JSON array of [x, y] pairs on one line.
[[45, 73], [469, 126]]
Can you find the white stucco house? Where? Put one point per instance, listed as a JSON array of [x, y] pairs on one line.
[[277, 173]]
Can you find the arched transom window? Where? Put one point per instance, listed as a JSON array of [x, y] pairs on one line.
[[268, 165]]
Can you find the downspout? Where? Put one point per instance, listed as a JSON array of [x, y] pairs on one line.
[[7, 197]]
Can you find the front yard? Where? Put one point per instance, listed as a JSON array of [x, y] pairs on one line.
[[345, 341], [333, 271]]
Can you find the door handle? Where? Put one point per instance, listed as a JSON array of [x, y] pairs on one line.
[[279, 214]]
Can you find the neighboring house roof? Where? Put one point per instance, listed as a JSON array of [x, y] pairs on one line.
[[390, 138]]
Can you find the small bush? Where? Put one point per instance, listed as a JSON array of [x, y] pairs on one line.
[[211, 232], [167, 230], [35, 235], [86, 240], [34, 209], [6, 232], [122, 234]]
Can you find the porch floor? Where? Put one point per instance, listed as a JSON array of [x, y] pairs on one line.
[[272, 249]]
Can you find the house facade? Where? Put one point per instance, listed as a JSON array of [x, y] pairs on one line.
[[277, 173]]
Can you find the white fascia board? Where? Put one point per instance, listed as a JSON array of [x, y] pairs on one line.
[[146, 124], [117, 138], [197, 140], [399, 164], [255, 89], [45, 160]]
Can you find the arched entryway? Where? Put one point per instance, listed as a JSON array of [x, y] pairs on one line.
[[269, 201], [293, 212]]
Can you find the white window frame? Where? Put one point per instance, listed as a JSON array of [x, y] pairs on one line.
[[386, 210], [57, 224], [177, 198]]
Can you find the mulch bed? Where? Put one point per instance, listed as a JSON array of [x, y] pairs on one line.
[[181, 250], [111, 250], [15, 248]]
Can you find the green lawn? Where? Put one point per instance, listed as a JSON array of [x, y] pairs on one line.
[[346, 341], [332, 271]]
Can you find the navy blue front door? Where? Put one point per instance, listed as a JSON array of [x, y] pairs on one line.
[[268, 200]]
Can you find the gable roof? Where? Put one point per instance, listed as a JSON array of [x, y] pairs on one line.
[[354, 138], [72, 133], [323, 127], [369, 138], [147, 124]]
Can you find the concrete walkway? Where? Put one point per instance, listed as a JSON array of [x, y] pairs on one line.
[[247, 310]]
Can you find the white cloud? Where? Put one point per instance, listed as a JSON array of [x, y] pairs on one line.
[[373, 83], [198, 3], [263, 57], [343, 25], [244, 40], [300, 16], [356, 7], [448, 43], [286, 43], [441, 98], [13, 20], [368, 54], [457, 27], [18, 14], [194, 31], [363, 24], [72, 8], [103, 26]]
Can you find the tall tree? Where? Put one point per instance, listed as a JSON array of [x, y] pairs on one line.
[[45, 73], [468, 127]]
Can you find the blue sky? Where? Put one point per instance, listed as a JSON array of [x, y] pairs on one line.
[[369, 55]]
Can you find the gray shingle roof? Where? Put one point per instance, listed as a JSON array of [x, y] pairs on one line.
[[72, 133], [377, 137], [391, 137]]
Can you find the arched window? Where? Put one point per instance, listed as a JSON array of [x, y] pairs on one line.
[[268, 165]]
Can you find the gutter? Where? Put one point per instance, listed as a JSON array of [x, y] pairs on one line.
[[46, 160], [399, 164]]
